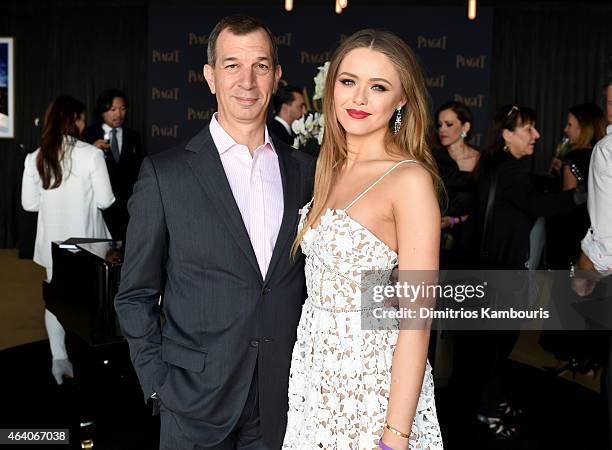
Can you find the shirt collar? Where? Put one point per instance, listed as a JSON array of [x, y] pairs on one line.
[[223, 141], [609, 129], [107, 128], [283, 123]]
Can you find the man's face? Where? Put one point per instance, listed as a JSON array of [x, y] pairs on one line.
[[115, 116], [297, 108], [243, 78]]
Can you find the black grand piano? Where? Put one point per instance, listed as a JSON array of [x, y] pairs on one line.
[[86, 274]]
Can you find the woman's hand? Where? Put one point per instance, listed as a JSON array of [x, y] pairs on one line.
[[395, 442], [447, 221]]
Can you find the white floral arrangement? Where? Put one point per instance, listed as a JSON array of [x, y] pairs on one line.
[[312, 125]]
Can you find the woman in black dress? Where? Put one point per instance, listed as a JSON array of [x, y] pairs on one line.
[[456, 160], [576, 351], [506, 208]]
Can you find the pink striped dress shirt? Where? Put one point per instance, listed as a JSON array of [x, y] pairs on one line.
[[257, 187]]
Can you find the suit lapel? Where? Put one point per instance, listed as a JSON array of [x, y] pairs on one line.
[[203, 158], [290, 176]]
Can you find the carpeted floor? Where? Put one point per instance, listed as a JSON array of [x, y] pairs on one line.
[[21, 305]]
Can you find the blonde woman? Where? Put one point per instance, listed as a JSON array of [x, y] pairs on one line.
[[375, 207]]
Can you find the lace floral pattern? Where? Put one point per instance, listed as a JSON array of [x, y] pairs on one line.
[[340, 374]]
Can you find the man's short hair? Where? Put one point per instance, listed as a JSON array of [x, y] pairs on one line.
[[239, 24], [284, 96], [105, 101]]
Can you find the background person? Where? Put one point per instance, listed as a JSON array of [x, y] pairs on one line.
[[66, 181], [289, 106], [122, 151], [456, 160]]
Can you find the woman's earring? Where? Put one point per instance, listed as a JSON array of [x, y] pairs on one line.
[[463, 135], [398, 120]]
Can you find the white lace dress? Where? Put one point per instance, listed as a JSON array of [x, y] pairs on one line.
[[340, 374]]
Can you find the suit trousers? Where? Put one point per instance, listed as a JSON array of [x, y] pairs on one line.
[[247, 434]]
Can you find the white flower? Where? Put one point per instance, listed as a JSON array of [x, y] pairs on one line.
[[320, 81], [312, 125]]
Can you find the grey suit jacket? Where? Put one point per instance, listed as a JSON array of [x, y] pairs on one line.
[[186, 241]]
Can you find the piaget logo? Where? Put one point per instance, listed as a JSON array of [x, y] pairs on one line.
[[476, 101], [470, 62], [165, 94], [314, 58], [436, 82], [197, 39], [438, 42], [158, 56], [195, 76], [283, 40], [164, 131], [200, 114]]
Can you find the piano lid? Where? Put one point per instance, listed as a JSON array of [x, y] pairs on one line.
[[111, 252]]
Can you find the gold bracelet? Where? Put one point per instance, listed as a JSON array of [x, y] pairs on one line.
[[396, 431]]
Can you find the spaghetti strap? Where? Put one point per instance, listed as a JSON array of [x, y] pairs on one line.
[[376, 182]]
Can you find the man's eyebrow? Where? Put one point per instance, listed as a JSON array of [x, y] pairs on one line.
[[234, 58]]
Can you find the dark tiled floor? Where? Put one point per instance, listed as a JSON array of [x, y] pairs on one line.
[[558, 414]]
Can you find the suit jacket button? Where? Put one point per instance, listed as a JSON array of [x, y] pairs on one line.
[[266, 290], [255, 343]]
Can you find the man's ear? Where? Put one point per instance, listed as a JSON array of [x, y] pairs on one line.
[[278, 73], [210, 77]]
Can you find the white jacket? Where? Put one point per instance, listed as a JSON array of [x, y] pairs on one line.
[[74, 208]]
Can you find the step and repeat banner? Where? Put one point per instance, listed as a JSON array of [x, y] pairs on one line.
[[455, 54]]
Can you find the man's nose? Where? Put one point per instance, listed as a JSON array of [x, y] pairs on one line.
[[247, 78]]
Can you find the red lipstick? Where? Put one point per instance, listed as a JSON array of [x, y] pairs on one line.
[[357, 114]]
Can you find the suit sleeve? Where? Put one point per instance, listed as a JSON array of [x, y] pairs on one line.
[[141, 279], [102, 190], [31, 185], [519, 191]]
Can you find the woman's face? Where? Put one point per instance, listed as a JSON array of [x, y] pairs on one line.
[[450, 127], [80, 123], [572, 129], [521, 141], [367, 91]]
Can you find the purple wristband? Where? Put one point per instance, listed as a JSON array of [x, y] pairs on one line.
[[383, 446]]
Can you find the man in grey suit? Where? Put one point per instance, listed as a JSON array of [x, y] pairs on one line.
[[211, 228]]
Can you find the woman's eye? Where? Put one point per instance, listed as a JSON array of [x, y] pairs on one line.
[[378, 87], [347, 82]]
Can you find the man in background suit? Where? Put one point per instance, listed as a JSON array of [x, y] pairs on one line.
[[123, 155], [211, 226], [289, 106]]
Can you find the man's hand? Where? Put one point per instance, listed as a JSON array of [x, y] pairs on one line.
[[102, 144], [585, 276]]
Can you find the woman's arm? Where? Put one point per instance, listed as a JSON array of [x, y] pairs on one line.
[[31, 185], [417, 221], [569, 180], [514, 185], [103, 192]]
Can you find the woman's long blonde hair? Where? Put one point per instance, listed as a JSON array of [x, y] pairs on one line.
[[409, 141]]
